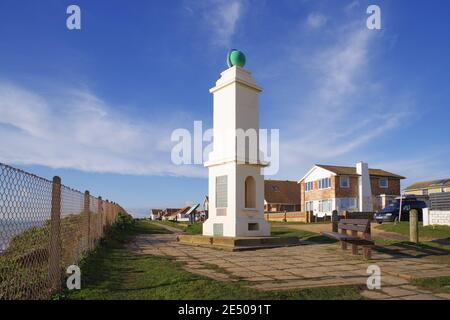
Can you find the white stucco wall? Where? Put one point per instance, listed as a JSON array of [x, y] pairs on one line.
[[436, 217], [318, 173], [235, 107]]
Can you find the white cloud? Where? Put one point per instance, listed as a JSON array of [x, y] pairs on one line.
[[316, 20], [80, 131], [346, 109], [220, 18]]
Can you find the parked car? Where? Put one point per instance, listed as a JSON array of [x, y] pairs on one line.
[[391, 212]]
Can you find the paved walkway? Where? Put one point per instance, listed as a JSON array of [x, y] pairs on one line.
[[304, 266]]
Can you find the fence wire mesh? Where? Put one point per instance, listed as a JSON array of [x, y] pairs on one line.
[[44, 228]]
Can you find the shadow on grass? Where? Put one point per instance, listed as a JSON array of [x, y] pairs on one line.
[[310, 237], [406, 249], [442, 242]]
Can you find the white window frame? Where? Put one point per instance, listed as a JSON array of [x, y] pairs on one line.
[[321, 202], [309, 204], [380, 185], [347, 178], [354, 203], [321, 183], [309, 186]]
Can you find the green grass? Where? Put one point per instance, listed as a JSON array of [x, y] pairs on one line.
[[436, 252], [113, 272], [297, 222], [439, 285], [195, 228], [301, 234], [437, 232]]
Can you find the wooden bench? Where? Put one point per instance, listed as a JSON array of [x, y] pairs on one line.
[[355, 226]]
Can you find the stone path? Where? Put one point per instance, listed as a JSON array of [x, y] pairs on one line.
[[304, 266]]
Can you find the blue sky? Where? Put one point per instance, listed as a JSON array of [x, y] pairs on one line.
[[97, 106]]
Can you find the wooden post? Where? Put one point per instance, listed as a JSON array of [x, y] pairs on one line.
[[334, 220], [354, 246], [87, 214], [99, 218], [413, 226], [285, 216], [343, 243], [54, 257]]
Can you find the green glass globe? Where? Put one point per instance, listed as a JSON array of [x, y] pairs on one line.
[[236, 58]]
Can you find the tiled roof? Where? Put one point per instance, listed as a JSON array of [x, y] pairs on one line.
[[429, 184], [278, 191], [341, 170]]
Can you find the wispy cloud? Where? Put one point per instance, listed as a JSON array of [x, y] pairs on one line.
[[346, 108], [78, 130], [219, 18], [316, 20]]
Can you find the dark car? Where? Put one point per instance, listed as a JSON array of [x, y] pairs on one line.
[[391, 212]]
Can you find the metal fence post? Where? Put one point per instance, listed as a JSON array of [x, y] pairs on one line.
[[54, 257], [413, 226], [87, 213]]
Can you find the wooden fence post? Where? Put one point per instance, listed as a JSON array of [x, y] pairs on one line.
[[413, 226], [87, 214], [334, 220], [54, 257], [99, 217]]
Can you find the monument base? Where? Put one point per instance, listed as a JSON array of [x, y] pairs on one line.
[[238, 243]]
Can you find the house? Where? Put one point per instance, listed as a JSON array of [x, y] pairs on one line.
[[206, 207], [156, 214], [325, 188], [187, 214], [428, 187], [168, 212], [280, 196]]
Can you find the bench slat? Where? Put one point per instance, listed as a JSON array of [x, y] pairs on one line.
[[339, 236], [355, 221], [353, 227]]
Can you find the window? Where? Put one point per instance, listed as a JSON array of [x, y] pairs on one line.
[[253, 227], [275, 189], [325, 183], [221, 192], [425, 192], [250, 193], [309, 186], [347, 203], [309, 205], [383, 183], [344, 181], [325, 205]]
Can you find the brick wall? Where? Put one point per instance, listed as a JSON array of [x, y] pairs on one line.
[[289, 216], [351, 192], [317, 194], [393, 189]]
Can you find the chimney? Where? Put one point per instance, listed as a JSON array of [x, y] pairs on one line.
[[364, 188]]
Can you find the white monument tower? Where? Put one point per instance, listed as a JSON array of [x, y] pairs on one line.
[[236, 185]]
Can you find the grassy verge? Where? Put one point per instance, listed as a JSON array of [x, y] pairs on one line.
[[437, 232], [439, 285], [195, 228], [301, 234], [297, 222], [430, 250], [114, 272]]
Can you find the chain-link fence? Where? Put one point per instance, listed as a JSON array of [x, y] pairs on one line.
[[44, 228]]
